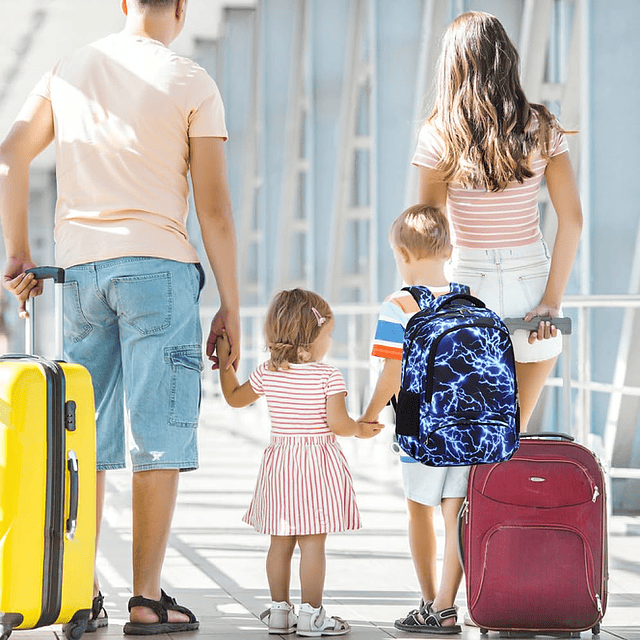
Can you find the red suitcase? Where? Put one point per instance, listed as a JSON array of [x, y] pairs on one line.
[[534, 538]]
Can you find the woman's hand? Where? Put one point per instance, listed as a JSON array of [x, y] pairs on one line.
[[545, 329]]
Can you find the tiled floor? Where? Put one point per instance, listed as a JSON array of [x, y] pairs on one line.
[[215, 563]]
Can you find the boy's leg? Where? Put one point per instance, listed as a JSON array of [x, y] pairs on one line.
[[451, 568], [279, 567], [422, 542], [312, 568]]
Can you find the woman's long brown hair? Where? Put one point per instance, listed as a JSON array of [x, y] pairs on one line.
[[488, 126]]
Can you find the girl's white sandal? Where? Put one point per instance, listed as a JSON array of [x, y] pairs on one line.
[[280, 617], [313, 622]]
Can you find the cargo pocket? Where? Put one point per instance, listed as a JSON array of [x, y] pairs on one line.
[[76, 326], [186, 384]]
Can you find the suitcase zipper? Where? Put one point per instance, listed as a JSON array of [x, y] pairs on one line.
[[54, 515]]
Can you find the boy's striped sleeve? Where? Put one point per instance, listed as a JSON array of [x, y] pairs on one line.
[[387, 342]]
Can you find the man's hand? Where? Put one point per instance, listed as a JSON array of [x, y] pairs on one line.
[[22, 285], [227, 324]]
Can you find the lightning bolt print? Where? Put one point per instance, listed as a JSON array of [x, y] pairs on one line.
[[458, 400]]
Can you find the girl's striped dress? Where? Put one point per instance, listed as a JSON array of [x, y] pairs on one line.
[[304, 486]]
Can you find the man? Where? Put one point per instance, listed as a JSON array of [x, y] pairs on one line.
[[130, 118]]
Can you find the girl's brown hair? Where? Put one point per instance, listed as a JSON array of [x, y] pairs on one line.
[[422, 231], [292, 326], [488, 126]]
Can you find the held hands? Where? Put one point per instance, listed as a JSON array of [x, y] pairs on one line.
[[545, 330], [22, 285], [368, 430], [223, 351], [225, 323]]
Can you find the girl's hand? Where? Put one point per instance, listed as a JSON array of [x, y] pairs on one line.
[[368, 429], [545, 330], [223, 350]]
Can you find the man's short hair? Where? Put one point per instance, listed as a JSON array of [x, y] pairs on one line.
[[156, 4], [422, 231]]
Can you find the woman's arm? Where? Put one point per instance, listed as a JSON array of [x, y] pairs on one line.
[[565, 199], [432, 190]]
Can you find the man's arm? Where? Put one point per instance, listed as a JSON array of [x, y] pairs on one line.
[[31, 133], [213, 206]]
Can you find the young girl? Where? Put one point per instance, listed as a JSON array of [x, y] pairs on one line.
[[482, 154], [304, 489]]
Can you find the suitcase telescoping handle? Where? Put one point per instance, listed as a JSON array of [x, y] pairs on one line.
[[57, 275], [564, 326]]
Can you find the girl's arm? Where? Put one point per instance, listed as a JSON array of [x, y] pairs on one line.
[[341, 424], [234, 393], [387, 386], [565, 199]]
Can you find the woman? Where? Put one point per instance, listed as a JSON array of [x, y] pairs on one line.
[[482, 153]]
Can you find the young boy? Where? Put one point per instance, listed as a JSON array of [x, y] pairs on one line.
[[419, 239]]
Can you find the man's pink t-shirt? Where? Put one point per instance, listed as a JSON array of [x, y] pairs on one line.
[[124, 109]]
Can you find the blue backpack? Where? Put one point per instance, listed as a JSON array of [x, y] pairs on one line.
[[458, 400]]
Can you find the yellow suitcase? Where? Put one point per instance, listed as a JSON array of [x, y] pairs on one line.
[[47, 487]]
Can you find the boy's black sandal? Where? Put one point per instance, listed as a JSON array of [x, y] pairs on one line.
[[414, 620], [434, 619], [160, 608]]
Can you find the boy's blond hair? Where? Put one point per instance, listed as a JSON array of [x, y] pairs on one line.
[[292, 325], [422, 231]]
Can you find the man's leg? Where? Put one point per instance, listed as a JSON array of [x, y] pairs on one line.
[[154, 496]]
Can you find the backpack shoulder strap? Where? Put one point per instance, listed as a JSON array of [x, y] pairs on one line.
[[421, 295]]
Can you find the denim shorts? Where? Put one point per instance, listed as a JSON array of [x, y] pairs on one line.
[[134, 323], [511, 282]]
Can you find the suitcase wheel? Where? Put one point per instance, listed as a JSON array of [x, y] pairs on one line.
[[74, 630], [596, 630], [484, 631]]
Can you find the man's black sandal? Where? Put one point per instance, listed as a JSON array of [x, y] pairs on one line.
[[95, 621], [160, 608]]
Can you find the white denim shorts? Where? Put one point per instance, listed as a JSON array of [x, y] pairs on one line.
[[511, 282]]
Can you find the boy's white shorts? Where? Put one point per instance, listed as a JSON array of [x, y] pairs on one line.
[[429, 485]]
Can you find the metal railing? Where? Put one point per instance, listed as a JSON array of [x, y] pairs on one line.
[[353, 335]]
